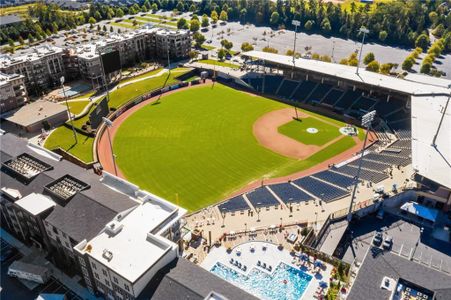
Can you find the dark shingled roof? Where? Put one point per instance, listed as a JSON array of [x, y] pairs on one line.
[[83, 216], [184, 280], [373, 269]]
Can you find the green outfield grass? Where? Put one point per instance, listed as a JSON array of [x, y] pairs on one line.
[[63, 137], [77, 107], [297, 129], [199, 144]]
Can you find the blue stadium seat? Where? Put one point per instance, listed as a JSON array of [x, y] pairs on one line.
[[234, 204], [288, 193], [272, 82], [304, 90], [323, 191], [261, 197], [335, 178], [287, 88], [319, 93], [348, 98], [332, 97]]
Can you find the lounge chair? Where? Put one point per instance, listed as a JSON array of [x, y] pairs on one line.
[[259, 263], [264, 265], [244, 268], [269, 268], [239, 265], [231, 260]]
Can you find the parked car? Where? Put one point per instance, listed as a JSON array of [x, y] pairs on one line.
[[377, 239], [388, 242]]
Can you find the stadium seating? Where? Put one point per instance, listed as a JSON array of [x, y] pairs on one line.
[[304, 89], [287, 88], [387, 158], [256, 83], [367, 175], [383, 107], [402, 129], [348, 98], [288, 193], [262, 197], [402, 144], [323, 191], [234, 204], [332, 97], [370, 165], [335, 178], [272, 82], [397, 116], [320, 91], [364, 103]]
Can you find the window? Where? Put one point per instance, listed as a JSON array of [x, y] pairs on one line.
[[107, 282], [96, 275], [115, 280], [104, 272], [126, 287], [94, 266]]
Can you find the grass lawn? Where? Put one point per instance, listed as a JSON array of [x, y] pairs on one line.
[[298, 130], [218, 63], [125, 25], [147, 74], [207, 47], [63, 137], [84, 96], [199, 144], [77, 107], [20, 9]]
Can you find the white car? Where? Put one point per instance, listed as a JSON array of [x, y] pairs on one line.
[[387, 242]]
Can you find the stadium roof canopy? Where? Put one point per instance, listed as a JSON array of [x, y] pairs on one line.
[[414, 86]]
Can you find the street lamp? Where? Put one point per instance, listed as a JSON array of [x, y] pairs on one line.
[[364, 31], [223, 215], [258, 211], [245, 228], [295, 23], [418, 241], [109, 124], [367, 119], [68, 110]]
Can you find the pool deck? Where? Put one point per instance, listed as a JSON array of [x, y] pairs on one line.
[[271, 256]]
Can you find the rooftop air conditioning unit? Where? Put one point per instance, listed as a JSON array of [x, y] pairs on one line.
[[107, 254]]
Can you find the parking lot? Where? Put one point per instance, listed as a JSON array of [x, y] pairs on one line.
[[408, 241], [12, 288]]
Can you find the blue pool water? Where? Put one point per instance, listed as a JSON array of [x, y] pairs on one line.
[[263, 285]]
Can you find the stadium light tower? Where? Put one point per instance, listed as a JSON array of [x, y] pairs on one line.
[[364, 31], [367, 119], [68, 110], [296, 23], [109, 124]]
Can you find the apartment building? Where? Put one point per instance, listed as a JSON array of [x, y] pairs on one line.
[[177, 42], [84, 220], [13, 93], [42, 68]]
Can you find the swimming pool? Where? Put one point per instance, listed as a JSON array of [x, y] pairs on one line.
[[286, 283]]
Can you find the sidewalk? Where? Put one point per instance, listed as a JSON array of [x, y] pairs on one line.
[[70, 283]]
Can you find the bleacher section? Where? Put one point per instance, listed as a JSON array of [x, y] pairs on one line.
[[335, 178], [367, 175], [402, 129], [256, 83], [287, 88], [348, 98], [272, 82], [261, 197], [288, 193], [388, 158], [383, 107], [323, 191], [332, 97], [234, 204], [364, 103], [318, 94], [304, 90], [397, 116], [370, 165], [402, 144]]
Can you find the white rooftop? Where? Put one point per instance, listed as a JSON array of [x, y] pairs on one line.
[[349, 73], [37, 53], [130, 244], [35, 203]]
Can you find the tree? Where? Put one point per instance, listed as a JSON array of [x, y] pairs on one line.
[[194, 25], [97, 15], [92, 20], [439, 30], [119, 13], [221, 54], [368, 58], [386, 68], [246, 47], [426, 68], [223, 16], [30, 38], [205, 21], [383, 35], [270, 50], [154, 7], [104, 28], [199, 39], [274, 20], [193, 54], [180, 7], [214, 17], [182, 23], [408, 63], [422, 41], [20, 39], [308, 25], [373, 66], [10, 42], [111, 29], [226, 44], [325, 25]]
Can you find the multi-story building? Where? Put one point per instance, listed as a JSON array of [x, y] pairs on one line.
[[84, 220], [177, 42], [42, 68], [13, 93]]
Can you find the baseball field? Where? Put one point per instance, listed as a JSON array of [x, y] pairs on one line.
[[200, 143]]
